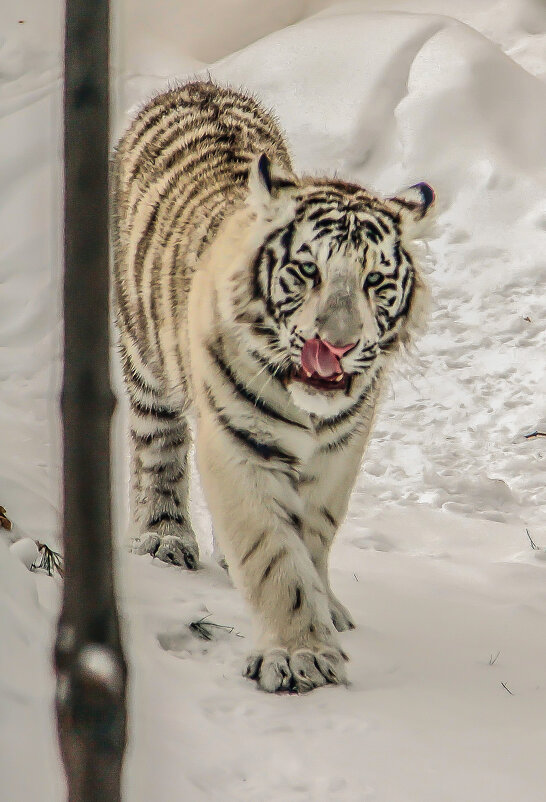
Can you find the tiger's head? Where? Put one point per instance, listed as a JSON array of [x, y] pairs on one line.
[[335, 289]]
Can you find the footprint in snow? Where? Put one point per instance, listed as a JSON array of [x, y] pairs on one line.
[[373, 541]]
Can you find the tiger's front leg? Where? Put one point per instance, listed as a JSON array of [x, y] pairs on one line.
[[325, 489], [256, 513]]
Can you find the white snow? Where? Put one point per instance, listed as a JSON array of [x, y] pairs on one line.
[[448, 696], [26, 550]]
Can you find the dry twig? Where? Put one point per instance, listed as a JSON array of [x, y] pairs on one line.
[[49, 560], [203, 628], [493, 660], [531, 541]]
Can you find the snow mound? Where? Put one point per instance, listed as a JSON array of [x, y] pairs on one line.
[[434, 559]]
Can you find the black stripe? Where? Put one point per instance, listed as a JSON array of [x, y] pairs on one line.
[[263, 450], [140, 256], [340, 442], [388, 285], [161, 413], [274, 560], [243, 390], [161, 112], [404, 309], [257, 290], [397, 255], [285, 236], [275, 371], [124, 315], [298, 600], [331, 423], [168, 492], [156, 321], [130, 372], [284, 285], [162, 468], [381, 223], [271, 258], [166, 135], [406, 278], [205, 144], [373, 232], [322, 210], [147, 439], [252, 550], [255, 273], [328, 515], [289, 308], [286, 241], [263, 330], [173, 281], [170, 438], [292, 516], [296, 275], [166, 516], [335, 222], [266, 451]]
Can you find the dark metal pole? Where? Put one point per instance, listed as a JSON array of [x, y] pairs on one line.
[[91, 669]]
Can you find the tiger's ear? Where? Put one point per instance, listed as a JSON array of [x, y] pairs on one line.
[[266, 180], [415, 203]]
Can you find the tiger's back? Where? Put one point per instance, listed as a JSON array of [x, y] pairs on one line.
[[180, 167]]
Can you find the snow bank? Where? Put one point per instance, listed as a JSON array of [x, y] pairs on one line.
[[447, 663]]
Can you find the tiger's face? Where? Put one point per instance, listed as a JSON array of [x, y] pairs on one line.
[[340, 288]]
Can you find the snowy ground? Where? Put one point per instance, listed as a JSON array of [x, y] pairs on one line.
[[448, 663]]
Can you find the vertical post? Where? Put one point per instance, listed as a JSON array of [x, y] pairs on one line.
[[91, 669]]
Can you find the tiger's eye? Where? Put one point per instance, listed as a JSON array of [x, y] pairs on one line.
[[373, 279], [309, 269]]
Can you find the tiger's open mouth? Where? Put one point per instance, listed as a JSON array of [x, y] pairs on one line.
[[320, 365], [338, 381]]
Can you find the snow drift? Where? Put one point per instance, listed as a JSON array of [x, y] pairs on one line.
[[433, 560]]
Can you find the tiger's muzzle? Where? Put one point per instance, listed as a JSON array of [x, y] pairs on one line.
[[320, 366]]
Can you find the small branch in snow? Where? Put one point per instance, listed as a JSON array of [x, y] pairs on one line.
[[356, 578], [506, 688], [535, 434], [493, 660], [49, 560], [531, 541], [202, 628]]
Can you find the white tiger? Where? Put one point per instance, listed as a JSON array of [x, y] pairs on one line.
[[271, 305]]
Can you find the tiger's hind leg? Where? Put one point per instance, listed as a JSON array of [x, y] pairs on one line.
[[161, 440]]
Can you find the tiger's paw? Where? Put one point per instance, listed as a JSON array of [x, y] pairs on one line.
[[180, 549], [341, 617], [299, 671]]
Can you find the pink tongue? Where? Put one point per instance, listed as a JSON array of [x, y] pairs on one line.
[[316, 357]]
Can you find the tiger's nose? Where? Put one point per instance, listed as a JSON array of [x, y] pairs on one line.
[[338, 350]]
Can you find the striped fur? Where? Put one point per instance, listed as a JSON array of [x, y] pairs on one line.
[[226, 265]]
